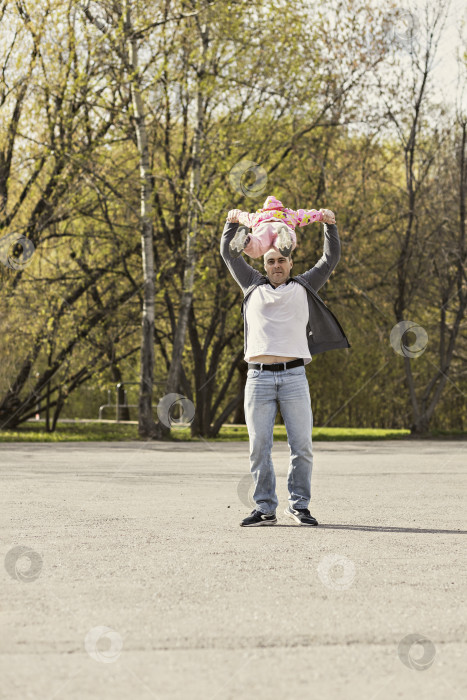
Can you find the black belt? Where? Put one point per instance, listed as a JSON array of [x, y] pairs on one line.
[[277, 366]]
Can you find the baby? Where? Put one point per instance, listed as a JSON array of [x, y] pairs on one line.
[[273, 226]]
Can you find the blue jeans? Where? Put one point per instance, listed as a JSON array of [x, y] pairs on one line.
[[265, 391]]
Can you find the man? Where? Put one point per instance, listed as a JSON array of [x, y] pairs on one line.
[[285, 323]]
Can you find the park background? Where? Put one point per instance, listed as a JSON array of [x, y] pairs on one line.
[[129, 129]]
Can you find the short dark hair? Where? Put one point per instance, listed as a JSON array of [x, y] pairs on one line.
[[289, 257]]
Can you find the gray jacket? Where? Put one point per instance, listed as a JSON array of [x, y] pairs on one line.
[[324, 331]]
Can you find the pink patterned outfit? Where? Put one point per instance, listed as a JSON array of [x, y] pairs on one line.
[[266, 221]]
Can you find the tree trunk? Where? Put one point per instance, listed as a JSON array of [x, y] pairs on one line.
[[424, 410], [421, 426], [231, 406], [146, 424], [123, 412], [173, 379], [239, 415], [47, 409], [58, 409]]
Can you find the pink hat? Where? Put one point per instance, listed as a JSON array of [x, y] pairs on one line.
[[272, 203]]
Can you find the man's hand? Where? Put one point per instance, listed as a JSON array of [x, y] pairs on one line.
[[232, 216], [328, 216]]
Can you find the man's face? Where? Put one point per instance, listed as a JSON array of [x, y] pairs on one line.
[[277, 267]]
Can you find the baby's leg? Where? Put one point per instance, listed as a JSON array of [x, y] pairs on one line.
[[261, 240], [277, 227]]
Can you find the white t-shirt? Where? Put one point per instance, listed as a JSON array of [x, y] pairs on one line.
[[276, 321]]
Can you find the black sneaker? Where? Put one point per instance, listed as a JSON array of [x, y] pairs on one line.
[[239, 241], [257, 518], [284, 241], [302, 516]]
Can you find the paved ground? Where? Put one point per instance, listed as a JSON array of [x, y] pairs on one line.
[[136, 581]]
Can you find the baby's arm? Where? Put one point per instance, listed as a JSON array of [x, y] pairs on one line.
[[238, 216], [246, 219], [232, 216], [308, 216]]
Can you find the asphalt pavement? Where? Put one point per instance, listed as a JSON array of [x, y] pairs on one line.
[[126, 574]]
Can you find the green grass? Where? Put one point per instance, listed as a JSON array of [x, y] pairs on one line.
[[74, 432], [319, 434], [95, 432]]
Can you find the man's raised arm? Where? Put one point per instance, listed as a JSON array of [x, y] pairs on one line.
[[320, 273], [242, 273]]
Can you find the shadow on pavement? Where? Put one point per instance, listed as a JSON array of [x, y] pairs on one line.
[[376, 528], [369, 528]]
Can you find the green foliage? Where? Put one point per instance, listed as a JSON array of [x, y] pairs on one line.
[[299, 104]]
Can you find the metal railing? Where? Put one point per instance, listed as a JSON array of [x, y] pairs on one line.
[[119, 406]]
